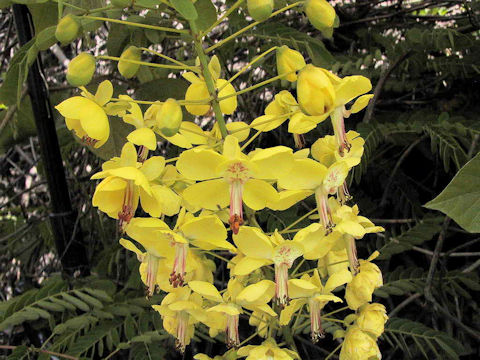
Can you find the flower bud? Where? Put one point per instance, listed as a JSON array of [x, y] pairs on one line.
[[169, 117], [67, 29], [372, 318], [320, 14], [359, 291], [315, 92], [80, 70], [359, 345], [128, 69], [289, 60], [121, 3], [260, 10]]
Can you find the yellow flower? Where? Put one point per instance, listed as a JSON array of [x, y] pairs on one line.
[[314, 176], [309, 290], [261, 250], [233, 177], [283, 107], [181, 310], [315, 92], [197, 93], [372, 318], [253, 297], [336, 260], [125, 181], [267, 350], [321, 15], [169, 117], [86, 116], [289, 61], [359, 345], [359, 291]]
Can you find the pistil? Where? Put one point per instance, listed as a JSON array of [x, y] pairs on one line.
[[127, 212], [233, 337], [177, 277]]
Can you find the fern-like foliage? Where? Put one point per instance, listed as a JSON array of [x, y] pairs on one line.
[[403, 333]]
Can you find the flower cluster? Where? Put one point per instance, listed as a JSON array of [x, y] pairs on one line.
[[215, 187]]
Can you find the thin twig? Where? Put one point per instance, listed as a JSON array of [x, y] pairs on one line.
[[11, 347]]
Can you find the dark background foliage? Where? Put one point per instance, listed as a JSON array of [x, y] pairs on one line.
[[420, 129]]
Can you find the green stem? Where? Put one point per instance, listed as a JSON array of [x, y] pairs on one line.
[[248, 27], [193, 68], [144, 63], [334, 351], [129, 23], [208, 80]]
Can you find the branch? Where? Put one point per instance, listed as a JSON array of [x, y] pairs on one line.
[[11, 347]]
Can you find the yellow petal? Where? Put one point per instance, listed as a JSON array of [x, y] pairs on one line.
[[143, 136], [338, 279], [273, 162], [104, 92], [153, 167], [130, 246], [259, 293], [301, 123], [309, 175], [231, 149], [239, 129], [350, 87], [211, 194], [207, 290], [289, 310], [191, 77], [229, 105], [199, 164], [351, 227], [288, 198], [298, 288], [206, 228], [193, 133], [197, 92], [178, 139], [128, 156], [247, 265], [360, 103], [229, 309], [268, 122], [258, 194], [253, 243]]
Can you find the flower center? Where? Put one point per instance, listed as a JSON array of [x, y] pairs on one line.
[[127, 212], [152, 268], [324, 210], [142, 154], [233, 338], [177, 277], [236, 174], [338, 124], [182, 331], [87, 140], [299, 140], [316, 330], [343, 195]]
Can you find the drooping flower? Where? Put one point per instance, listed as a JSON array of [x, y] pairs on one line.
[[359, 345], [125, 181], [360, 290], [233, 177], [198, 97], [309, 290], [371, 318], [261, 250], [86, 115], [267, 350], [253, 297], [321, 15], [181, 310]]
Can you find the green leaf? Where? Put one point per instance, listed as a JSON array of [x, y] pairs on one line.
[[19, 353], [185, 8], [461, 198], [208, 14], [77, 302]]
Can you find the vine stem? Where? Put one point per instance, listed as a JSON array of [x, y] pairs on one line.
[[129, 23], [223, 17], [144, 63], [208, 79], [248, 27], [11, 347], [193, 68]]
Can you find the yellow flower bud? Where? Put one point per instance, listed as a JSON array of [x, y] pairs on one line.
[[121, 3], [359, 291], [169, 117], [359, 345], [320, 14], [80, 70], [67, 29], [260, 10], [128, 69], [372, 318], [315, 92], [289, 60]]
